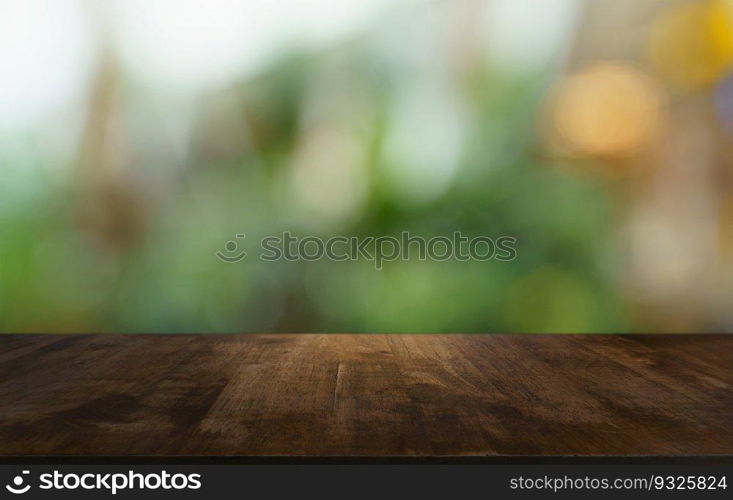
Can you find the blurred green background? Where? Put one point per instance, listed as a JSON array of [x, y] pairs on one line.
[[137, 138]]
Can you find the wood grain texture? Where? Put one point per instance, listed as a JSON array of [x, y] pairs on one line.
[[366, 395]]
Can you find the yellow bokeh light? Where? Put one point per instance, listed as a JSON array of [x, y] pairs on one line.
[[691, 44], [608, 109]]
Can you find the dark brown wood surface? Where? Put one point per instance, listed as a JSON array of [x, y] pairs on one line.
[[365, 395]]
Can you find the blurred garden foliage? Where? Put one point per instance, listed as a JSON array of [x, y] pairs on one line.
[[112, 208]]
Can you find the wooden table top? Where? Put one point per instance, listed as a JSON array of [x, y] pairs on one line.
[[366, 395]]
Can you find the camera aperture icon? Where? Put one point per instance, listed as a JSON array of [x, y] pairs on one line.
[[230, 254], [17, 487]]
